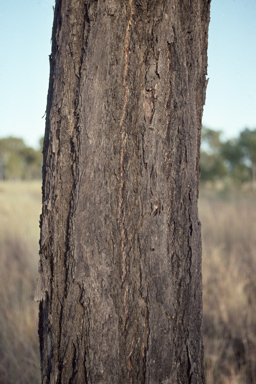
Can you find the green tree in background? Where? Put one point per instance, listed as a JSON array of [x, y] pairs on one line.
[[17, 161], [212, 163], [233, 159], [233, 155], [247, 141]]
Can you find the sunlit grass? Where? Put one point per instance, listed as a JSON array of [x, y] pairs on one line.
[[229, 286], [20, 205]]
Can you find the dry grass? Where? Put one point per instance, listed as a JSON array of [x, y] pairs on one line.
[[229, 280], [20, 205], [229, 270]]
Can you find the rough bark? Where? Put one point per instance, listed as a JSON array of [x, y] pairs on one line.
[[119, 279]]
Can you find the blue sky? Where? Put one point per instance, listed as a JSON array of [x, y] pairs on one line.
[[25, 30], [231, 92]]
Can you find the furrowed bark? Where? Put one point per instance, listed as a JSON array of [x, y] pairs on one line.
[[119, 283]]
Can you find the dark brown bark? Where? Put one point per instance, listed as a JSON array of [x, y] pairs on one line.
[[119, 280]]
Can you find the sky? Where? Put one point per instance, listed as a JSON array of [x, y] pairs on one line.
[[25, 46]]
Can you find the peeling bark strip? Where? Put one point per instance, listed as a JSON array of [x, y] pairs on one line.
[[119, 280]]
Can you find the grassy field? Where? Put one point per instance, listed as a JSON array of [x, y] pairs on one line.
[[229, 279], [20, 205], [229, 286]]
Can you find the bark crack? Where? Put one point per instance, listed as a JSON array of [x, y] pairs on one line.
[[169, 89], [123, 141]]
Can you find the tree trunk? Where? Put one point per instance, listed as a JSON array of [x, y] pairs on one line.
[[119, 279]]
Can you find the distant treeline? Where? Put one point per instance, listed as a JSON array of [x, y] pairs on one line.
[[233, 160], [18, 161]]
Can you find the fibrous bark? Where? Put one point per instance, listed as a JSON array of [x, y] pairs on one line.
[[119, 280]]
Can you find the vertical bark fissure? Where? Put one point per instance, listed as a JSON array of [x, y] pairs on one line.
[[123, 139], [144, 297], [78, 54]]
